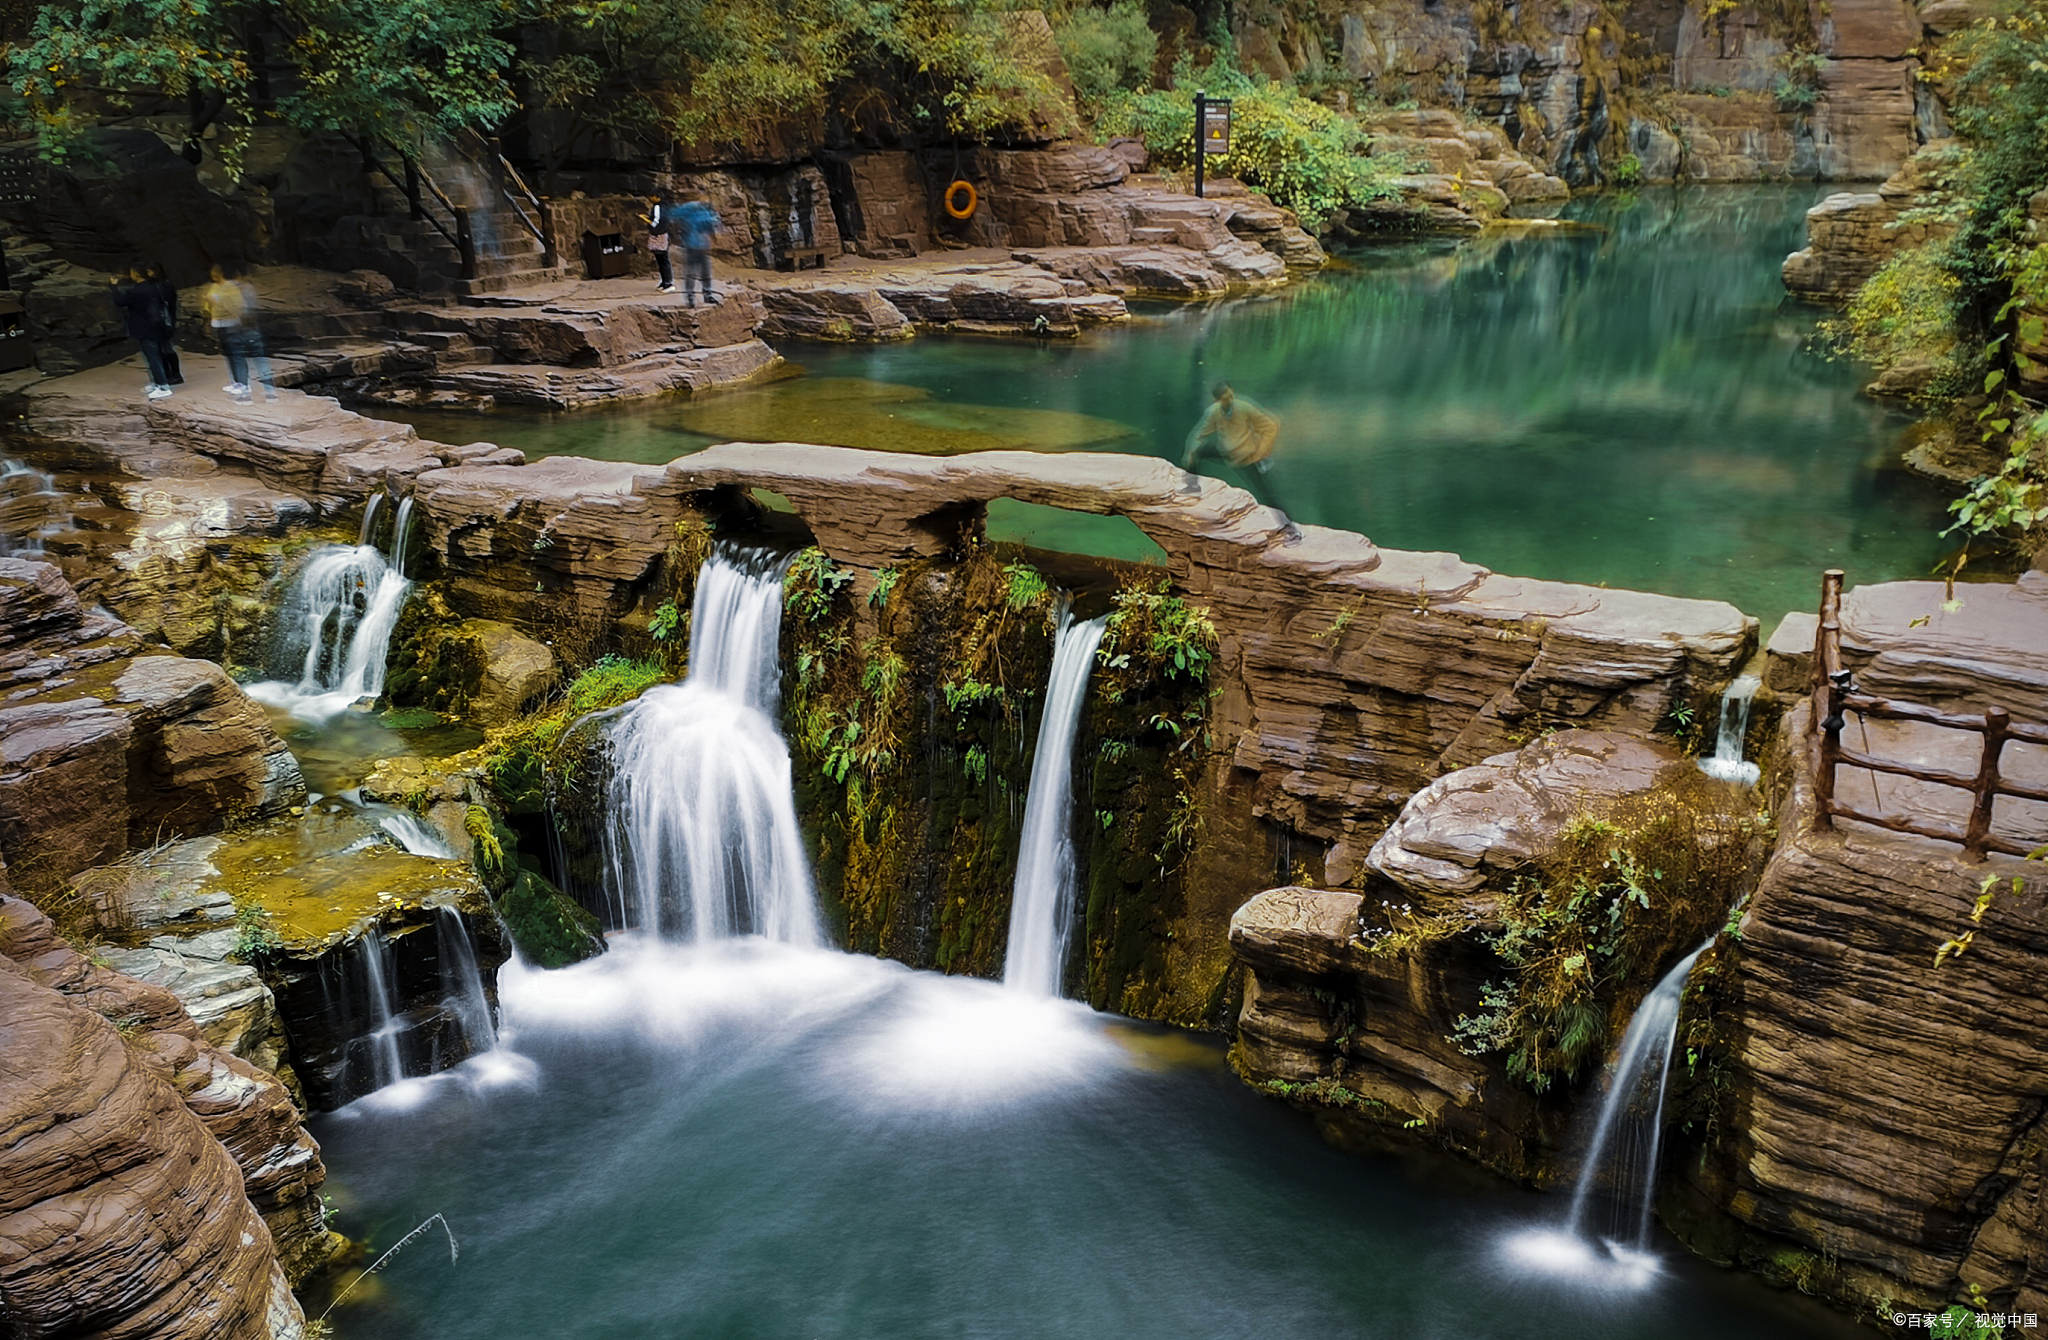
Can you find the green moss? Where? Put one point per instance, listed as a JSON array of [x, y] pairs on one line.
[[550, 928]]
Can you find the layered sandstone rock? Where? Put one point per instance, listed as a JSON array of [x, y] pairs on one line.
[[1849, 235], [1888, 1108], [1347, 989], [156, 1185], [103, 747]]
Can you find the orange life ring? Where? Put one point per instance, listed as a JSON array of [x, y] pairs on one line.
[[965, 211]]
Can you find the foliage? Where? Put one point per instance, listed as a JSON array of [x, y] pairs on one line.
[[664, 622], [1604, 908], [255, 937], [1627, 172], [704, 70], [1798, 85], [1108, 50], [1152, 632], [1906, 311], [1995, 74], [1320, 1093], [406, 71], [1308, 157], [813, 585], [2014, 499]]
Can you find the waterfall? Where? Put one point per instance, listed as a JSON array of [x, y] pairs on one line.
[[1043, 905], [367, 532], [336, 624], [1629, 1123], [1727, 763], [704, 842], [462, 984], [401, 534], [413, 833], [385, 1066], [29, 510]]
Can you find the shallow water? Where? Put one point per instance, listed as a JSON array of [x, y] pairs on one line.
[[1631, 404], [746, 1140]]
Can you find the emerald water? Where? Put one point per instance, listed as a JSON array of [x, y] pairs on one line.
[[1630, 402], [758, 1142]]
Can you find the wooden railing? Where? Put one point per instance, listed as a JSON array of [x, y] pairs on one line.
[[419, 189], [1835, 692], [526, 206]]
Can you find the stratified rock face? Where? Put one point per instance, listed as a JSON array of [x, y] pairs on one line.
[[1889, 1110], [1479, 823], [150, 1184], [102, 748], [1322, 1004], [1849, 235]]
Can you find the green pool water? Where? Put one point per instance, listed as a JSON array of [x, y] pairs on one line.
[[1631, 401]]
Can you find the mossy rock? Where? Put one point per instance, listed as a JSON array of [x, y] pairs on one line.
[[548, 926]]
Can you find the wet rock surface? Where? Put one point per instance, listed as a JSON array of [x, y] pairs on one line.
[[1850, 234]]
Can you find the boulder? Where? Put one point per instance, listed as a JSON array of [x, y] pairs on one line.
[[1471, 827], [516, 669], [102, 748], [156, 1184]]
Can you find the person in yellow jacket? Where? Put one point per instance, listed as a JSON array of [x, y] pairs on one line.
[[231, 312], [1244, 435]]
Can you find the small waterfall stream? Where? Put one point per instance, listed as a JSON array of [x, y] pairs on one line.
[[462, 984], [1043, 907], [1727, 763], [1623, 1154], [336, 625], [382, 1039], [704, 842]]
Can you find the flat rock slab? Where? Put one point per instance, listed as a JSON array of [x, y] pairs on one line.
[[1499, 815], [1297, 932]]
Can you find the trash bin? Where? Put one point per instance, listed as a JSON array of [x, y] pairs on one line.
[[605, 254]]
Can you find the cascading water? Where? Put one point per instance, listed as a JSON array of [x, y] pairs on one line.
[[336, 625], [1727, 763], [462, 984], [30, 509], [1632, 1118], [1044, 902], [704, 842], [382, 1039], [413, 833]]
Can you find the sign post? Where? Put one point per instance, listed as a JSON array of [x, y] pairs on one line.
[[1212, 132]]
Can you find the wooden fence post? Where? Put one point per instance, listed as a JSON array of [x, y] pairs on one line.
[[412, 187], [1827, 658], [465, 242], [1985, 790]]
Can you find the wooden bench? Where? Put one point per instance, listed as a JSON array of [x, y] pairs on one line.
[[796, 258]]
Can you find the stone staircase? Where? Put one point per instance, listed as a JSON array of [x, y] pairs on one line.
[[417, 255]]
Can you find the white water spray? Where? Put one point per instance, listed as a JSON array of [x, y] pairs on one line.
[[704, 843], [1043, 906], [1727, 763]]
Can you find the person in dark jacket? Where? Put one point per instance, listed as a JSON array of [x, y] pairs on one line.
[[697, 223], [661, 229], [149, 325], [169, 292]]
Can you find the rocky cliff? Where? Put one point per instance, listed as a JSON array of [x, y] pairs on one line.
[[154, 1184], [105, 744]]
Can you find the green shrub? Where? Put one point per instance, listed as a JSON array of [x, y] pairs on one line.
[[1108, 50], [1306, 156], [1906, 311], [1627, 172]]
